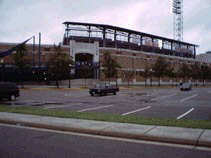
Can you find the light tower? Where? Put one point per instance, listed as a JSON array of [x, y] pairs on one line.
[[177, 8]]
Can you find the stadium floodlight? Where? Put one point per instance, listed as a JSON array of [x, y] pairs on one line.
[[177, 9]]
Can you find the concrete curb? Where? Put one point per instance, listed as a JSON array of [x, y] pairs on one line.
[[197, 137]]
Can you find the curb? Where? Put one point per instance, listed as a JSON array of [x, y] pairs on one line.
[[103, 132]]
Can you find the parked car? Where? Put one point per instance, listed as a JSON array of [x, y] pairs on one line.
[[185, 87], [103, 89], [9, 90]]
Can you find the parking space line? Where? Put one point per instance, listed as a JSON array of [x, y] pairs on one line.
[[95, 108], [182, 100], [136, 110], [54, 107], [181, 116], [163, 97]]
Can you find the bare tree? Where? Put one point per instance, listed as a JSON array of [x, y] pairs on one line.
[[128, 75], [110, 66], [160, 68], [146, 73]]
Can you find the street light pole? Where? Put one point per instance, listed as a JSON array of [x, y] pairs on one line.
[[69, 85], [2, 69]]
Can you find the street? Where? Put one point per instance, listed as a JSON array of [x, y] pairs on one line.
[[24, 142]]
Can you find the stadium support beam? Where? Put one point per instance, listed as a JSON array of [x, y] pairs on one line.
[[115, 39], [89, 32], [141, 42], [104, 37], [33, 51], [153, 45], [128, 39], [162, 46]]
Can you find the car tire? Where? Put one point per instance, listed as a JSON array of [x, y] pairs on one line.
[[12, 97], [114, 93], [101, 93], [92, 94]]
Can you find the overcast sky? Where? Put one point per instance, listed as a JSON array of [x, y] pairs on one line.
[[21, 19]]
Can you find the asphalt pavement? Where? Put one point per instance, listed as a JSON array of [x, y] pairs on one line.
[[25, 142], [148, 102]]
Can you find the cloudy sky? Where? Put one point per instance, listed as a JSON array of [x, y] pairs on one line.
[[21, 19]]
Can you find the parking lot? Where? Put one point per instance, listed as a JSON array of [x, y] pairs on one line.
[[149, 102]]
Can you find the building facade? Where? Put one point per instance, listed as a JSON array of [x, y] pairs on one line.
[[86, 44]]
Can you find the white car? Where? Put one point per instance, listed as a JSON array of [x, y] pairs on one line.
[[185, 87]]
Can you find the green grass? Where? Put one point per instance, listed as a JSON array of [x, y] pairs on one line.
[[108, 117]]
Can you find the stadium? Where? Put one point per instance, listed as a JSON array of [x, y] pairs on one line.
[[87, 42]]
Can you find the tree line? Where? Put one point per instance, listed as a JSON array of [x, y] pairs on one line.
[[160, 69]]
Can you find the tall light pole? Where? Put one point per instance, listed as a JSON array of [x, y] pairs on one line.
[[70, 66], [2, 69]]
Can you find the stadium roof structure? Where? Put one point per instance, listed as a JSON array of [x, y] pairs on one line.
[[177, 48]]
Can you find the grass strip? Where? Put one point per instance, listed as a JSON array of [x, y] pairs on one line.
[[203, 124]]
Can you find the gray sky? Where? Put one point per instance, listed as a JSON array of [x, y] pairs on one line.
[[21, 19]]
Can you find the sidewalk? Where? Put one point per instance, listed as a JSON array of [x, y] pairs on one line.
[[187, 136]]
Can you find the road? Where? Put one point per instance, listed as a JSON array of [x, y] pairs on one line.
[[27, 142], [151, 102]]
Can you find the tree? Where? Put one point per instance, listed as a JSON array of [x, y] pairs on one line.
[[195, 72], [204, 73], [146, 73], [110, 66], [128, 74], [160, 68], [85, 70], [59, 64], [20, 61], [185, 72], [171, 73]]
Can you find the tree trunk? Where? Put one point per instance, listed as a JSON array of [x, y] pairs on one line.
[[159, 82], [145, 81], [85, 82], [57, 81], [22, 82], [172, 83]]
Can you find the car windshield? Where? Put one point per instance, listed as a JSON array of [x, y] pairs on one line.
[[99, 85]]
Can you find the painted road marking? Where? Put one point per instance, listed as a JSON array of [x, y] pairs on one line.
[[136, 110], [163, 97], [95, 108], [181, 116], [54, 107], [182, 100]]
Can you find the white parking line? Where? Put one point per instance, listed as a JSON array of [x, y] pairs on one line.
[[136, 110], [181, 116], [54, 107], [163, 97], [95, 108], [182, 100]]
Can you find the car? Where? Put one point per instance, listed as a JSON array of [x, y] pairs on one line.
[[185, 87], [9, 90], [103, 89]]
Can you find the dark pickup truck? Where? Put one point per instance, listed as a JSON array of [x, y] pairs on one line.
[[9, 90], [103, 89]]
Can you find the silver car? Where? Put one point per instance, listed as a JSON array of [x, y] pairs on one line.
[[185, 87]]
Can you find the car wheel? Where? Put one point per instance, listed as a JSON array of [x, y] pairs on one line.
[[12, 97], [91, 94], [101, 93], [114, 93]]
